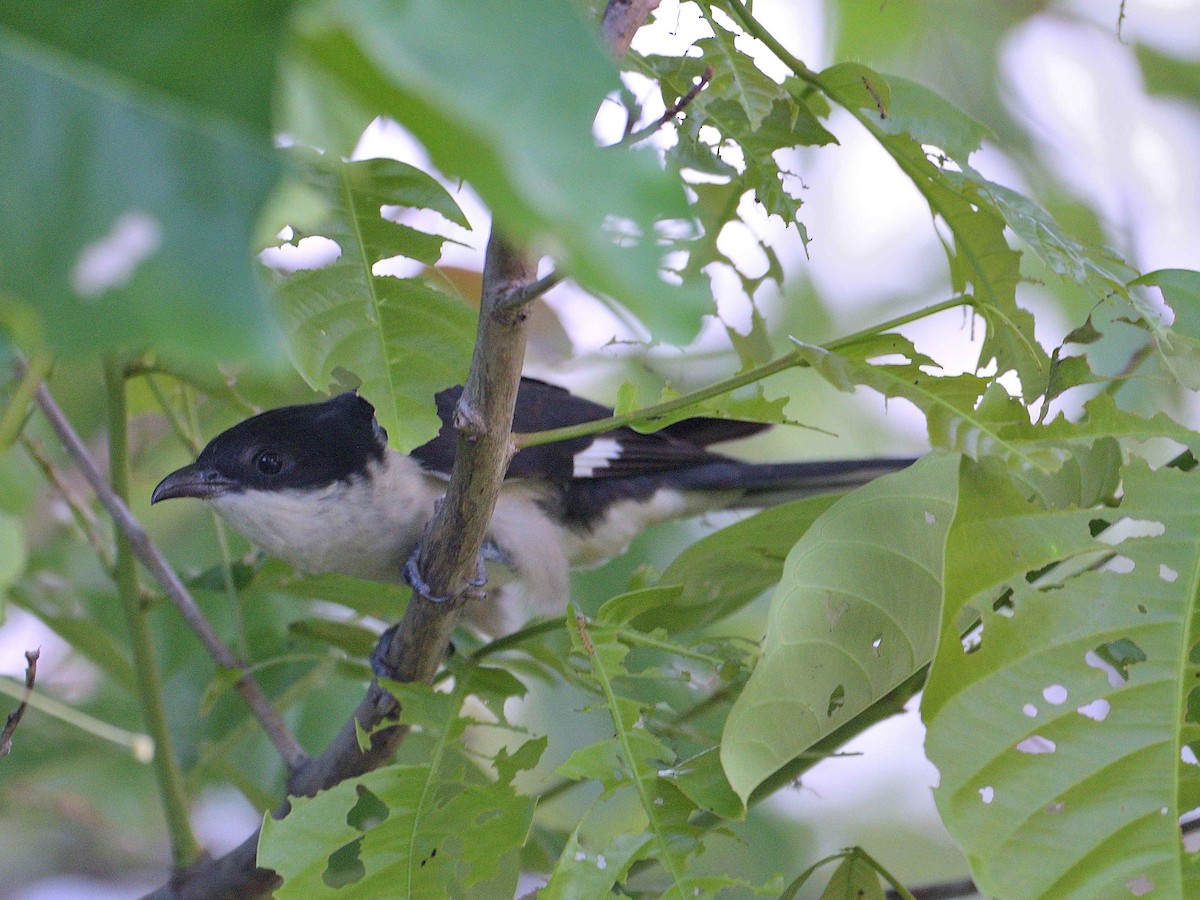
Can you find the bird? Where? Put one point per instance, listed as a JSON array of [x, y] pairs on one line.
[[317, 486]]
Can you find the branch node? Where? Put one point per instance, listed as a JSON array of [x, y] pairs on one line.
[[14, 718]]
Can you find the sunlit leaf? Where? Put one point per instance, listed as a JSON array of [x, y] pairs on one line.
[[854, 615], [1039, 736], [402, 336]]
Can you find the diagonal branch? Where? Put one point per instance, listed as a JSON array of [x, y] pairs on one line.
[[151, 557]]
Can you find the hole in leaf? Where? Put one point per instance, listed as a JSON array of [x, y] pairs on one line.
[[1187, 753], [1055, 808], [1097, 525], [344, 866], [112, 261], [1120, 564], [1036, 744], [930, 518], [1055, 694], [837, 699], [1125, 528], [1166, 573], [987, 794], [368, 812], [973, 639], [1097, 710], [311, 252], [876, 642], [1140, 886], [1004, 604], [1116, 656], [1030, 710]]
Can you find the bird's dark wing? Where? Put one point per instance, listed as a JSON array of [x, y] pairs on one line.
[[620, 453]]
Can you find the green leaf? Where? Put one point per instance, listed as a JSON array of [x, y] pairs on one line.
[[1179, 347], [855, 86], [353, 639], [634, 759], [725, 570], [981, 262], [137, 151], [854, 879], [493, 107], [405, 339], [439, 828], [855, 614], [583, 873], [1084, 678], [702, 779], [13, 554], [954, 418]]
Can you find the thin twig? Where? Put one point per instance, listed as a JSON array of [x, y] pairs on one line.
[[524, 294], [147, 675], [12, 422], [84, 518], [14, 718], [672, 111], [151, 557]]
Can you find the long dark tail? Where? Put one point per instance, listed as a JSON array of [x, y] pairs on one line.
[[765, 484]]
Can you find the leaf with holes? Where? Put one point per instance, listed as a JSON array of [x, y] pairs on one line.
[[981, 262], [403, 337], [492, 106], [958, 413], [137, 151], [438, 828], [854, 615], [1065, 722]]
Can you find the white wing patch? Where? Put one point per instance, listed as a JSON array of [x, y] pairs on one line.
[[597, 455]]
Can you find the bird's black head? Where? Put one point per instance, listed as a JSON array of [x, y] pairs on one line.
[[291, 448]]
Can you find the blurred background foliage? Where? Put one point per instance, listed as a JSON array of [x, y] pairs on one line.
[[150, 132]]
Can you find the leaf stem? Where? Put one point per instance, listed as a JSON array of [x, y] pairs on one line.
[[666, 858], [749, 376], [15, 415], [184, 846]]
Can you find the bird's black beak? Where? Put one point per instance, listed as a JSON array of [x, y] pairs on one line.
[[191, 481]]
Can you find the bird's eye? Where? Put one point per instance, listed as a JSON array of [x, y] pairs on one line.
[[269, 463]]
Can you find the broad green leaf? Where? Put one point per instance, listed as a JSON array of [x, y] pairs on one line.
[[405, 339], [1102, 418], [1067, 722], [137, 151], [856, 86], [725, 570], [493, 106], [854, 879], [439, 828], [854, 615], [1104, 272], [584, 873]]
